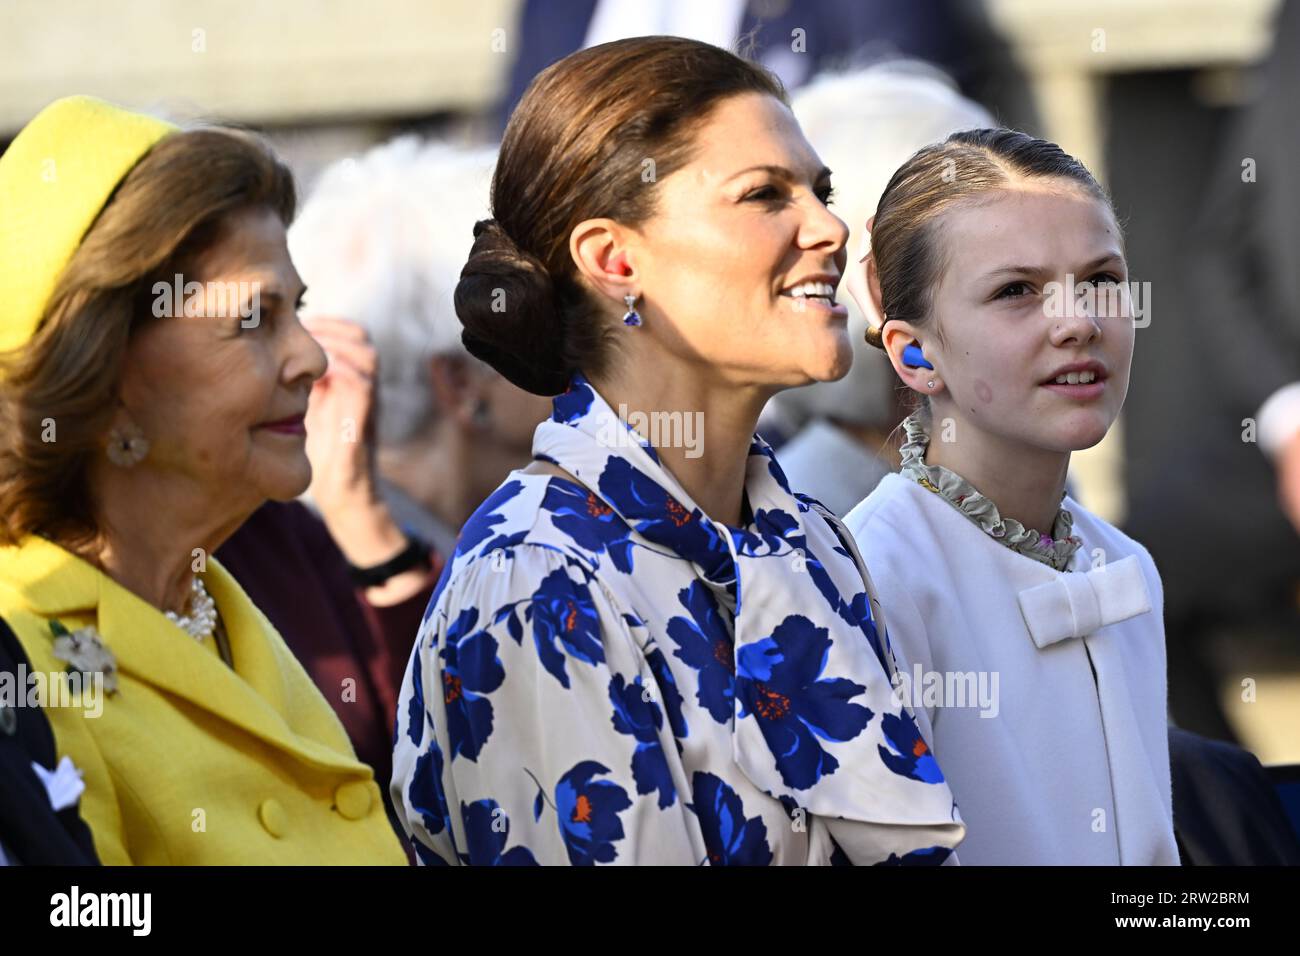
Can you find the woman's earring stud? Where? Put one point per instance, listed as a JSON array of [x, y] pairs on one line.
[[127, 445], [929, 384], [631, 317]]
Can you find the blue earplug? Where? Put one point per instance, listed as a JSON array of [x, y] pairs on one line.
[[912, 356]]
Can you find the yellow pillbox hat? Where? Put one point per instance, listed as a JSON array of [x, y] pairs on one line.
[[55, 177]]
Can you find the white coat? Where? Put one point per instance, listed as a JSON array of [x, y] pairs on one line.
[[1055, 765]]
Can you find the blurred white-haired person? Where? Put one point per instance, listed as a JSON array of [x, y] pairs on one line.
[[864, 123], [380, 242]]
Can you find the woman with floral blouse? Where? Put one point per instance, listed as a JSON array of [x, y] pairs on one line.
[[647, 648]]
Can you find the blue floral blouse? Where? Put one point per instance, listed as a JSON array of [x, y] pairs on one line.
[[606, 675]]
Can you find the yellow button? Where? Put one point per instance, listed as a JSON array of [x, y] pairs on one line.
[[273, 817], [353, 800]]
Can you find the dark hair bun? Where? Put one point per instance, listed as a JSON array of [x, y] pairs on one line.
[[506, 302]]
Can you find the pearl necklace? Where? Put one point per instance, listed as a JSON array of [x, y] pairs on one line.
[[203, 620]]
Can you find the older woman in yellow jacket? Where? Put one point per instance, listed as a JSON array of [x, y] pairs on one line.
[[153, 380]]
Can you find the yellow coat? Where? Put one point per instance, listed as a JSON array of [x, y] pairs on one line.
[[191, 762]]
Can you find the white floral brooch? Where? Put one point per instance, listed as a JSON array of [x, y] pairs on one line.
[[85, 653]]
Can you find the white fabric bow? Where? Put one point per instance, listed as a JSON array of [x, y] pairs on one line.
[[1077, 603]]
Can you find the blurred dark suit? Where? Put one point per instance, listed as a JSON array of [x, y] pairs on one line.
[[1244, 260], [1223, 257], [31, 832], [835, 30], [1226, 812]]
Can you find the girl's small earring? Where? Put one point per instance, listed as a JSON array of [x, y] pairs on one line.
[[929, 384], [127, 445], [631, 317]]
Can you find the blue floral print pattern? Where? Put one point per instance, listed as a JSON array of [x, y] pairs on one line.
[[905, 752], [732, 838], [564, 620], [588, 811], [487, 832], [471, 671], [778, 681], [637, 714], [704, 644]]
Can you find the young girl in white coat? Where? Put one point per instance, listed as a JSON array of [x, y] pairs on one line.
[[1035, 659]]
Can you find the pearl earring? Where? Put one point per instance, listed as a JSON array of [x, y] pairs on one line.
[[631, 317]]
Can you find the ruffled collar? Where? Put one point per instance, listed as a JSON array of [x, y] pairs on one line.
[[1055, 550]]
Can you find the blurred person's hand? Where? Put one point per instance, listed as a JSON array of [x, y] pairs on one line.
[[1288, 479], [339, 418], [340, 445]]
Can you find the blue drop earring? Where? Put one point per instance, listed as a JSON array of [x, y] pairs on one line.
[[631, 317]]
